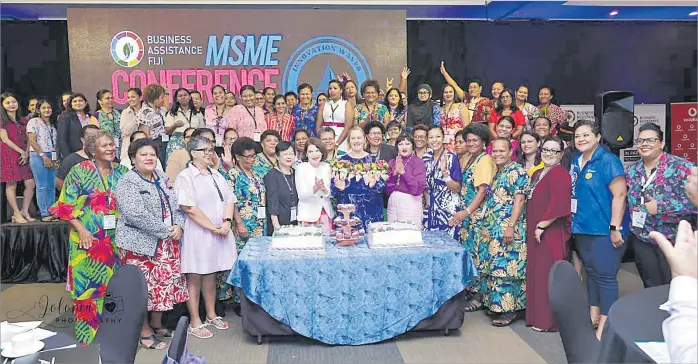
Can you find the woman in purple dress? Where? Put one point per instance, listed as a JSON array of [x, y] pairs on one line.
[[406, 182]]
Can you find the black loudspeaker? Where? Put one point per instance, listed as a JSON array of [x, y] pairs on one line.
[[615, 112]]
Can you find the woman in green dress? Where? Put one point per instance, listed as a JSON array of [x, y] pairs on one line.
[[88, 203], [504, 233], [108, 118]]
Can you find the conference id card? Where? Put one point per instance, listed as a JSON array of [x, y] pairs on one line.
[[261, 212], [257, 136], [294, 213], [219, 142], [573, 206], [639, 218], [167, 221], [54, 156], [109, 222], [165, 138]]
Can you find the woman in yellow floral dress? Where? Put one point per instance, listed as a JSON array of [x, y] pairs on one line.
[[504, 233]]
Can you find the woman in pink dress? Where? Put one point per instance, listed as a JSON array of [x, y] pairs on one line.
[[208, 246], [15, 160], [454, 116], [554, 113], [248, 117], [218, 115]]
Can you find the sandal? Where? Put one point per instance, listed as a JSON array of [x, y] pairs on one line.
[[595, 324], [47, 218], [164, 332], [505, 319], [474, 305], [28, 217], [18, 219], [156, 345], [200, 331], [218, 323], [491, 313]]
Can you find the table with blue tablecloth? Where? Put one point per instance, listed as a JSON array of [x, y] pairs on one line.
[[352, 295]]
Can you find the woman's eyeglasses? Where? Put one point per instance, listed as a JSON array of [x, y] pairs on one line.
[[641, 141], [205, 150], [550, 151], [248, 157]]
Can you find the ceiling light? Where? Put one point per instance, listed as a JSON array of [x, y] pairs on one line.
[[614, 13], [693, 13]]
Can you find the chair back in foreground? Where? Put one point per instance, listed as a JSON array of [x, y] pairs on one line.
[[178, 345], [125, 306], [571, 311]]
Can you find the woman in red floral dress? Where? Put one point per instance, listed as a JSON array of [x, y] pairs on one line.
[[454, 116], [15, 160], [148, 234]]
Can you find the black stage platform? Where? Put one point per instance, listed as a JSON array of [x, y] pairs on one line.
[[35, 252]]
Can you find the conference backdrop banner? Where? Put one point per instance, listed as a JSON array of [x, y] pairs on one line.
[[684, 117], [644, 113], [197, 49]]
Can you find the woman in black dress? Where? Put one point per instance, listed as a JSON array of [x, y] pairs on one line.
[[280, 183]]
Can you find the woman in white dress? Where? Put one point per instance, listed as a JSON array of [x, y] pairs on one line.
[[208, 245], [337, 115], [313, 186]]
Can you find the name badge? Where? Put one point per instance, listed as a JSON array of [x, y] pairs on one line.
[[257, 136], [447, 138], [165, 138], [54, 156], [294, 213], [261, 212], [219, 142], [109, 222], [573, 206], [639, 218], [167, 221]]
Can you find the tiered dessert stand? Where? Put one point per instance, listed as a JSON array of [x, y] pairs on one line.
[[346, 233]]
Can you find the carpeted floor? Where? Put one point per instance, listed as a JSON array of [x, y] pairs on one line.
[[477, 341]]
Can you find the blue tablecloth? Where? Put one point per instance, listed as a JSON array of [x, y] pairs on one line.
[[353, 296]]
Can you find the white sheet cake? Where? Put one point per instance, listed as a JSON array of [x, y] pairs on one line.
[[298, 238], [395, 234]]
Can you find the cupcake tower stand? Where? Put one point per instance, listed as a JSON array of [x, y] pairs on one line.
[[346, 233]]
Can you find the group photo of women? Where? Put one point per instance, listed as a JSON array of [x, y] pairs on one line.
[[178, 188]]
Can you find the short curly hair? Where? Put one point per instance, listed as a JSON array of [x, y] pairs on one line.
[[92, 139], [153, 92]]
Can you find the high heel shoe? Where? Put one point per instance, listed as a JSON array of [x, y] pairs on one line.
[[28, 217], [18, 219]]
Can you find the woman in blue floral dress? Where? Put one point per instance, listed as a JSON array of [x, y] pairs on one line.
[[305, 112], [366, 193], [249, 190], [504, 233], [443, 184]]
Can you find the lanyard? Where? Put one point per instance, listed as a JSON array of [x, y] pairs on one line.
[[253, 116], [50, 134], [255, 182], [286, 180], [333, 109], [268, 159], [220, 194], [280, 120], [161, 195], [371, 113], [437, 163], [647, 184], [106, 186], [185, 116]]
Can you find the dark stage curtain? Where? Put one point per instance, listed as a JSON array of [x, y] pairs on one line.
[[34, 252], [35, 59], [655, 60]]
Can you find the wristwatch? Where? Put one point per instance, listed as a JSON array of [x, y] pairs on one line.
[[540, 228], [227, 219], [615, 228], [41, 154]]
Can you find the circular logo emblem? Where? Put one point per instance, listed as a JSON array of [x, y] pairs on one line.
[[325, 45], [127, 49], [692, 112], [571, 117]]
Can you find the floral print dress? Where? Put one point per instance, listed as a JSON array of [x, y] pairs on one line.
[[505, 267], [480, 171], [442, 201], [111, 123], [364, 114], [89, 197], [306, 119], [251, 195], [368, 200], [452, 123]]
